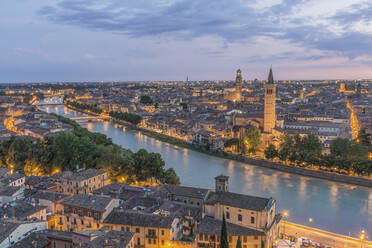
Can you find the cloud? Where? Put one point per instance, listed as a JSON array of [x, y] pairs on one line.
[[233, 21]]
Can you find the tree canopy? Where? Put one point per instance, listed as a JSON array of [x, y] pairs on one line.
[[252, 139], [145, 99], [84, 149], [345, 156], [129, 117]]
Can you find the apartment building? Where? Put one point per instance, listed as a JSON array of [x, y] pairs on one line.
[[80, 182]]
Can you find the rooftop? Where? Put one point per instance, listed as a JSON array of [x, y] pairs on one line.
[[113, 239], [185, 191], [238, 200], [79, 175], [133, 218], [92, 202], [210, 225]]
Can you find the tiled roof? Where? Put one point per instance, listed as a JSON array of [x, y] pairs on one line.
[[91, 202], [6, 228], [238, 200], [49, 195], [113, 239], [35, 240], [209, 225], [80, 175], [20, 210], [8, 190], [134, 218], [192, 192]]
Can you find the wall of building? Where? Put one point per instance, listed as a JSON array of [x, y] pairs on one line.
[[205, 240]]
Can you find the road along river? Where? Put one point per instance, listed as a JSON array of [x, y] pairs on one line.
[[332, 206]]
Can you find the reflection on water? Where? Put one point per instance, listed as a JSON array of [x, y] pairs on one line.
[[333, 206], [334, 195]]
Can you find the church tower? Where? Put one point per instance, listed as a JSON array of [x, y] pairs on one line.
[[238, 85], [270, 104]]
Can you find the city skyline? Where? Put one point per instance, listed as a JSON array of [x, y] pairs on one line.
[[169, 40]]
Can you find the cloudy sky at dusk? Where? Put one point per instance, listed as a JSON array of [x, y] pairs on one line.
[[119, 40]]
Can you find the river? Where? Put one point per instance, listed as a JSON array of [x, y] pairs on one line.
[[335, 207]]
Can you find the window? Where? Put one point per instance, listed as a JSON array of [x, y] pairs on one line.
[[200, 236], [122, 228], [137, 230], [162, 232], [240, 217], [138, 241], [227, 215], [245, 239], [162, 242], [154, 241], [127, 228], [149, 241], [255, 237], [252, 220]]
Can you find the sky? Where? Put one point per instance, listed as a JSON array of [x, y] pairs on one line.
[[140, 40]]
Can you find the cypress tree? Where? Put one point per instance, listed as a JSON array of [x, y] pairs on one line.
[[239, 243], [223, 240]]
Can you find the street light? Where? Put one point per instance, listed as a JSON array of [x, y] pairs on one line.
[[310, 220], [362, 236], [285, 215]]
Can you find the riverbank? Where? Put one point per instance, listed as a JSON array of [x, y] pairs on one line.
[[257, 162], [333, 240], [267, 164]]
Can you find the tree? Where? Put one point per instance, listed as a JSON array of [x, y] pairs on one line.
[[252, 139], [223, 238], [231, 142], [170, 177], [145, 99], [239, 243], [346, 148], [184, 105], [311, 144], [271, 152], [364, 138]]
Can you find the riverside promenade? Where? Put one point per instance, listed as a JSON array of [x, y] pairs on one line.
[[323, 237]]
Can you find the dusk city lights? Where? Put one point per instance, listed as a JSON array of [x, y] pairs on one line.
[[186, 124]]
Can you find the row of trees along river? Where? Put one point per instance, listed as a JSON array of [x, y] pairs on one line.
[[332, 206]]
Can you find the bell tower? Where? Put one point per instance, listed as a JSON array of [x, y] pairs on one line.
[[270, 104], [238, 85], [222, 183]]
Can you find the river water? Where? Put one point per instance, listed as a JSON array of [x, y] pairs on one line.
[[335, 207]]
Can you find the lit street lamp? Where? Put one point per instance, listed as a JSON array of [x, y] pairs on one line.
[[285, 215], [362, 236]]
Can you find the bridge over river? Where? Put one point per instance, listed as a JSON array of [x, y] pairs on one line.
[[332, 206]]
